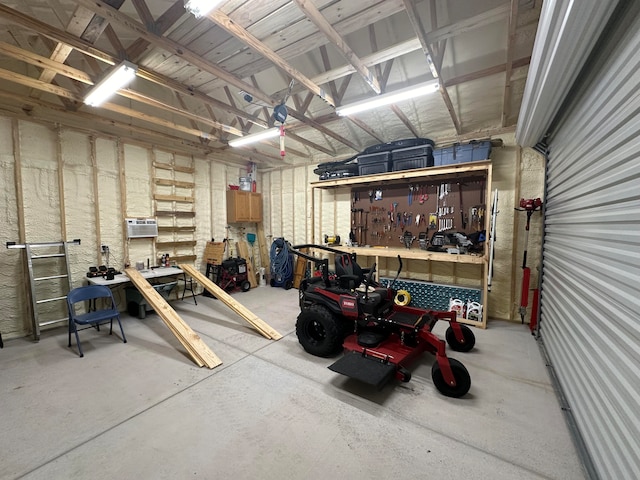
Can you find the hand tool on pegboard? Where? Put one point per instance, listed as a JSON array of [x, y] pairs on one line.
[[463, 222], [492, 236], [529, 205]]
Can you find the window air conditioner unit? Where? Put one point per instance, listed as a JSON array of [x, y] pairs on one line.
[[141, 227]]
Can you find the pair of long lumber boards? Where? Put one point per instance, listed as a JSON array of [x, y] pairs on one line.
[[198, 350], [259, 324]]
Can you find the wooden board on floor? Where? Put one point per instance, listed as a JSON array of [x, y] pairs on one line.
[[199, 351], [259, 324], [243, 251]]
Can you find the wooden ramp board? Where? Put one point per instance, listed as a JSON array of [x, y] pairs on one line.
[[264, 248], [199, 351], [243, 251], [260, 325]]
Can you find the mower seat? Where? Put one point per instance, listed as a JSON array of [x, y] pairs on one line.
[[348, 272]]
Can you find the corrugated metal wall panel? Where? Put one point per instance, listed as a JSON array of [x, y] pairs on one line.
[[566, 34], [590, 311]]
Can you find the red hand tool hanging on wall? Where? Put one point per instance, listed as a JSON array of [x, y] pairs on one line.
[[529, 205]]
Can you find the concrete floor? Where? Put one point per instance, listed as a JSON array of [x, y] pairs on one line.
[[145, 410]]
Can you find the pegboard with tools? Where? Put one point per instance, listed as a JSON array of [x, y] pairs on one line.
[[407, 215]]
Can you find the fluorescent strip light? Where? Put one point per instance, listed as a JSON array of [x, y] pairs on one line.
[[118, 78], [255, 137], [388, 98], [199, 8]]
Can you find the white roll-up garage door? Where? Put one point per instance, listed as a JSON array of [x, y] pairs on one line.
[[590, 300]]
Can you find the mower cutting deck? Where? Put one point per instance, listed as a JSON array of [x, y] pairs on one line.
[[379, 338]]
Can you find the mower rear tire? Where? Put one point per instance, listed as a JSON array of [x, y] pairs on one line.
[[246, 286], [467, 334], [319, 332], [460, 374]]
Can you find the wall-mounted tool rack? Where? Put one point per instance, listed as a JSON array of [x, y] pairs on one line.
[[454, 197]]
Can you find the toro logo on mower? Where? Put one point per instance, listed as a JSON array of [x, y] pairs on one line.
[[348, 305]]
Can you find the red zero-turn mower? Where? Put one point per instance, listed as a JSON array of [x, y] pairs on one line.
[[380, 340]]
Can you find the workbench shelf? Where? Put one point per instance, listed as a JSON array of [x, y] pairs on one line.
[[427, 174], [461, 174]]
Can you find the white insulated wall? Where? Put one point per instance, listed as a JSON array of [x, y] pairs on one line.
[[67, 185]]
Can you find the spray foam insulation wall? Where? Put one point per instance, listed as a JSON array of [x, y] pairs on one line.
[[110, 202], [73, 185], [11, 263], [288, 210], [300, 183]]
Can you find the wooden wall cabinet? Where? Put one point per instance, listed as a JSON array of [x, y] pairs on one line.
[[244, 206]]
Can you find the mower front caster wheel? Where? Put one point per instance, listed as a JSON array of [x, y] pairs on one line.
[[460, 374], [404, 375], [466, 345], [318, 331]]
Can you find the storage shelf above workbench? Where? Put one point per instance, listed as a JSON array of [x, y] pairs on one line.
[[430, 173], [413, 254]]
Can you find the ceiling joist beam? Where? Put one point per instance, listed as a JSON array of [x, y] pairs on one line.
[[92, 52], [82, 77], [408, 46], [316, 17], [103, 9], [426, 47], [511, 40], [327, 66], [364, 126], [404, 119], [164, 23], [227, 24], [112, 15], [487, 72], [39, 110], [129, 112]]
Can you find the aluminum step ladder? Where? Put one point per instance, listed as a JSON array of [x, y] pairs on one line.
[[58, 275]]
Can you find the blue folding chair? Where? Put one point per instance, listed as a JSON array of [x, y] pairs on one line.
[[95, 317]]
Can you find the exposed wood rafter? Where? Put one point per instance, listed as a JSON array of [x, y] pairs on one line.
[[237, 31], [103, 9], [400, 114], [511, 39], [92, 52], [426, 47], [335, 38], [112, 15], [190, 70]]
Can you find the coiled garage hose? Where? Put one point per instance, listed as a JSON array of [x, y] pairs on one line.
[[402, 298], [281, 267]]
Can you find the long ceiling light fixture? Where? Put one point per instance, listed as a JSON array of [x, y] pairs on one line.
[[255, 137], [109, 85], [199, 8], [388, 98]]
